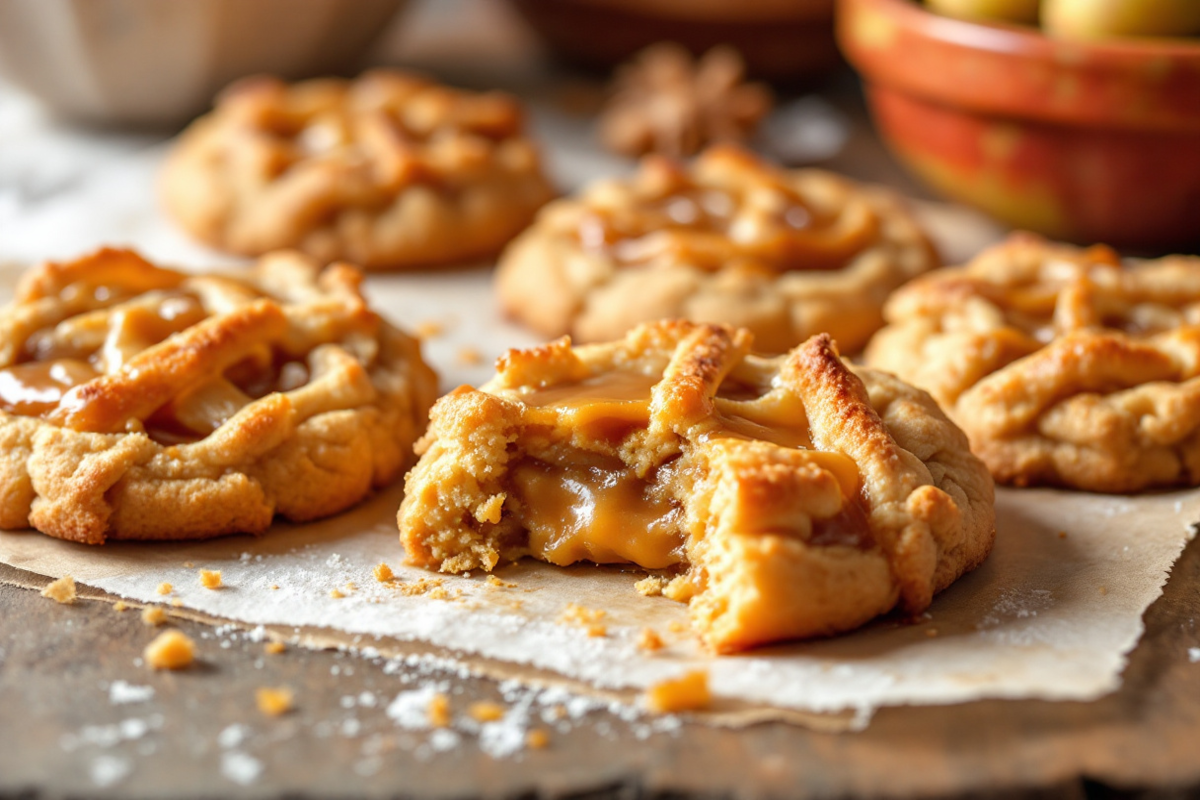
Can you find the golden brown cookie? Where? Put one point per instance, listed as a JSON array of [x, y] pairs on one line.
[[1064, 366], [790, 497], [729, 238], [390, 171], [137, 402]]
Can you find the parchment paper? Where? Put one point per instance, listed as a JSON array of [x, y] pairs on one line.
[[1050, 615], [1047, 616]]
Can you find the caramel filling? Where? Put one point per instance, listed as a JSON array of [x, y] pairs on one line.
[[597, 512], [582, 506], [37, 388]]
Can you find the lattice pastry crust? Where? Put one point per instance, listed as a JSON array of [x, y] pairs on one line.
[[790, 497], [137, 402], [729, 238], [1064, 366], [390, 171]]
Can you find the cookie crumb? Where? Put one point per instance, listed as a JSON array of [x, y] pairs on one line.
[[274, 587], [170, 650], [210, 579], [537, 739], [485, 711], [492, 580], [176, 603], [597, 631], [581, 615], [649, 640], [61, 590], [469, 356], [1103, 590], [680, 589], [120, 605], [651, 585], [274, 702], [336, 594], [383, 573], [274, 648], [676, 627], [439, 711], [489, 510], [931, 632], [429, 329], [688, 692], [165, 588], [153, 615]]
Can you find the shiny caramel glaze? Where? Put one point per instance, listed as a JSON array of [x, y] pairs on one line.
[[729, 207], [60, 370]]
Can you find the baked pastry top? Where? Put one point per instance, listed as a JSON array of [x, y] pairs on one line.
[[390, 171], [1064, 366], [728, 238], [137, 402], [791, 497]]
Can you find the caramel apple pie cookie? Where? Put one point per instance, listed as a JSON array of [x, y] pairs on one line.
[[784, 253], [141, 403], [791, 497], [390, 171], [1063, 366]]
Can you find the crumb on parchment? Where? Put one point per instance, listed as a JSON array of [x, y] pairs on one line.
[[210, 579], [383, 573], [165, 588], [274, 648], [649, 640], [651, 585], [588, 618]]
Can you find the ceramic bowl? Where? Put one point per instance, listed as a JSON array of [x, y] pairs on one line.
[[1085, 141], [159, 62]]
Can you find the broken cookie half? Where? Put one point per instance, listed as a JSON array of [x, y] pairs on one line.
[[793, 496]]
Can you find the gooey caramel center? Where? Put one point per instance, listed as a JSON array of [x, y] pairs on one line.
[[578, 505]]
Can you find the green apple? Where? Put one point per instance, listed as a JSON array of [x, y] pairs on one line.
[[1100, 18], [1020, 11]]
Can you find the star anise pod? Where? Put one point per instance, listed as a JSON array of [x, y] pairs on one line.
[[665, 102]]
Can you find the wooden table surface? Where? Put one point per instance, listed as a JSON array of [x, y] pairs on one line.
[[201, 735]]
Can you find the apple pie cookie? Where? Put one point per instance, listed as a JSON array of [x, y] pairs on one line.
[[1064, 366], [729, 238], [390, 171], [791, 497], [137, 402]]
